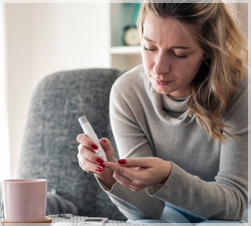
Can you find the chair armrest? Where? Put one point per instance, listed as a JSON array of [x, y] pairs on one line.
[[59, 205]]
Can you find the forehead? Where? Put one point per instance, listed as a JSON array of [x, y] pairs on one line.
[[162, 30]]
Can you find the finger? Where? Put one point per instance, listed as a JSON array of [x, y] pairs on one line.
[[86, 141], [143, 162], [107, 146], [125, 181], [89, 166], [122, 180], [125, 171], [88, 154], [80, 162]]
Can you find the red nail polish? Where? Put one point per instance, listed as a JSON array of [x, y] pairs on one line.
[[99, 160], [122, 161], [102, 165], [99, 169], [94, 146], [103, 140]]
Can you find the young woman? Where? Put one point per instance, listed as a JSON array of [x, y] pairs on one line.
[[179, 120]]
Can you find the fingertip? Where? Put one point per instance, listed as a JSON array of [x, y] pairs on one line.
[[99, 169], [79, 147], [122, 161], [107, 164], [78, 138], [103, 140]]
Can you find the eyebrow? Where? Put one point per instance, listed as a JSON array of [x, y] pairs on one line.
[[172, 47]]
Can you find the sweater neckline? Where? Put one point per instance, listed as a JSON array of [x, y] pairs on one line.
[[168, 109], [174, 104]]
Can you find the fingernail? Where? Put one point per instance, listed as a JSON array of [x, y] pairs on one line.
[[99, 160], [99, 169], [122, 161], [94, 146], [103, 141], [102, 165]]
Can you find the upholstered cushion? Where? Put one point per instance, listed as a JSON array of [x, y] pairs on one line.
[[57, 204], [49, 147]]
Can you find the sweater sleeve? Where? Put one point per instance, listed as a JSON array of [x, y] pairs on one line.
[[225, 198], [131, 142]]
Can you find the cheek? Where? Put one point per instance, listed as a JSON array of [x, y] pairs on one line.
[[190, 68], [147, 60], [146, 64], [196, 67]]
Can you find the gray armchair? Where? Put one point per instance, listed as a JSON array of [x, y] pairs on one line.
[[50, 148]]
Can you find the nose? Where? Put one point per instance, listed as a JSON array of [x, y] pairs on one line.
[[162, 64]]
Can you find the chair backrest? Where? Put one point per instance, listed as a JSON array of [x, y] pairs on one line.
[[49, 146]]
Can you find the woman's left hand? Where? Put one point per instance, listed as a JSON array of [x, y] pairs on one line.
[[139, 173]]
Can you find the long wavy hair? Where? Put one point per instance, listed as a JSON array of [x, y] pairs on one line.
[[220, 36]]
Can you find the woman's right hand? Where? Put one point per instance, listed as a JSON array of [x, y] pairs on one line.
[[90, 162]]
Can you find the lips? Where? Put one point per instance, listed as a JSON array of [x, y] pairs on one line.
[[162, 82]]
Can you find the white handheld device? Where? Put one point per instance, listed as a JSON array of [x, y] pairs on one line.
[[93, 221], [88, 130]]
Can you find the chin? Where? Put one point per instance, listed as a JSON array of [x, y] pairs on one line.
[[161, 90]]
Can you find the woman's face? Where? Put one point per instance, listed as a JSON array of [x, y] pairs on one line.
[[171, 58]]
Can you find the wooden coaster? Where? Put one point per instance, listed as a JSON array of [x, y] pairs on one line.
[[47, 221]]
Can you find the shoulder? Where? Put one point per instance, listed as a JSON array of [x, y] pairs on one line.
[[240, 98], [130, 82], [128, 94], [237, 110], [130, 78]]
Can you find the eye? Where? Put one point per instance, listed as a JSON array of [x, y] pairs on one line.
[[180, 55], [149, 49], [183, 56]]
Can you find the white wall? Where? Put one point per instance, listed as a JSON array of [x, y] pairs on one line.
[[68, 36], [18, 74], [45, 38]]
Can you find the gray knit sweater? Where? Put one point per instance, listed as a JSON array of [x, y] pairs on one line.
[[208, 178]]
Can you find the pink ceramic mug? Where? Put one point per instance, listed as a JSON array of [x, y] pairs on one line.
[[24, 200]]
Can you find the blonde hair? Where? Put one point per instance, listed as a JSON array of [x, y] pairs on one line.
[[221, 38]]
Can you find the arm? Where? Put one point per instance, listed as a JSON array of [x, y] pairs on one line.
[[223, 198], [226, 197], [134, 143]]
